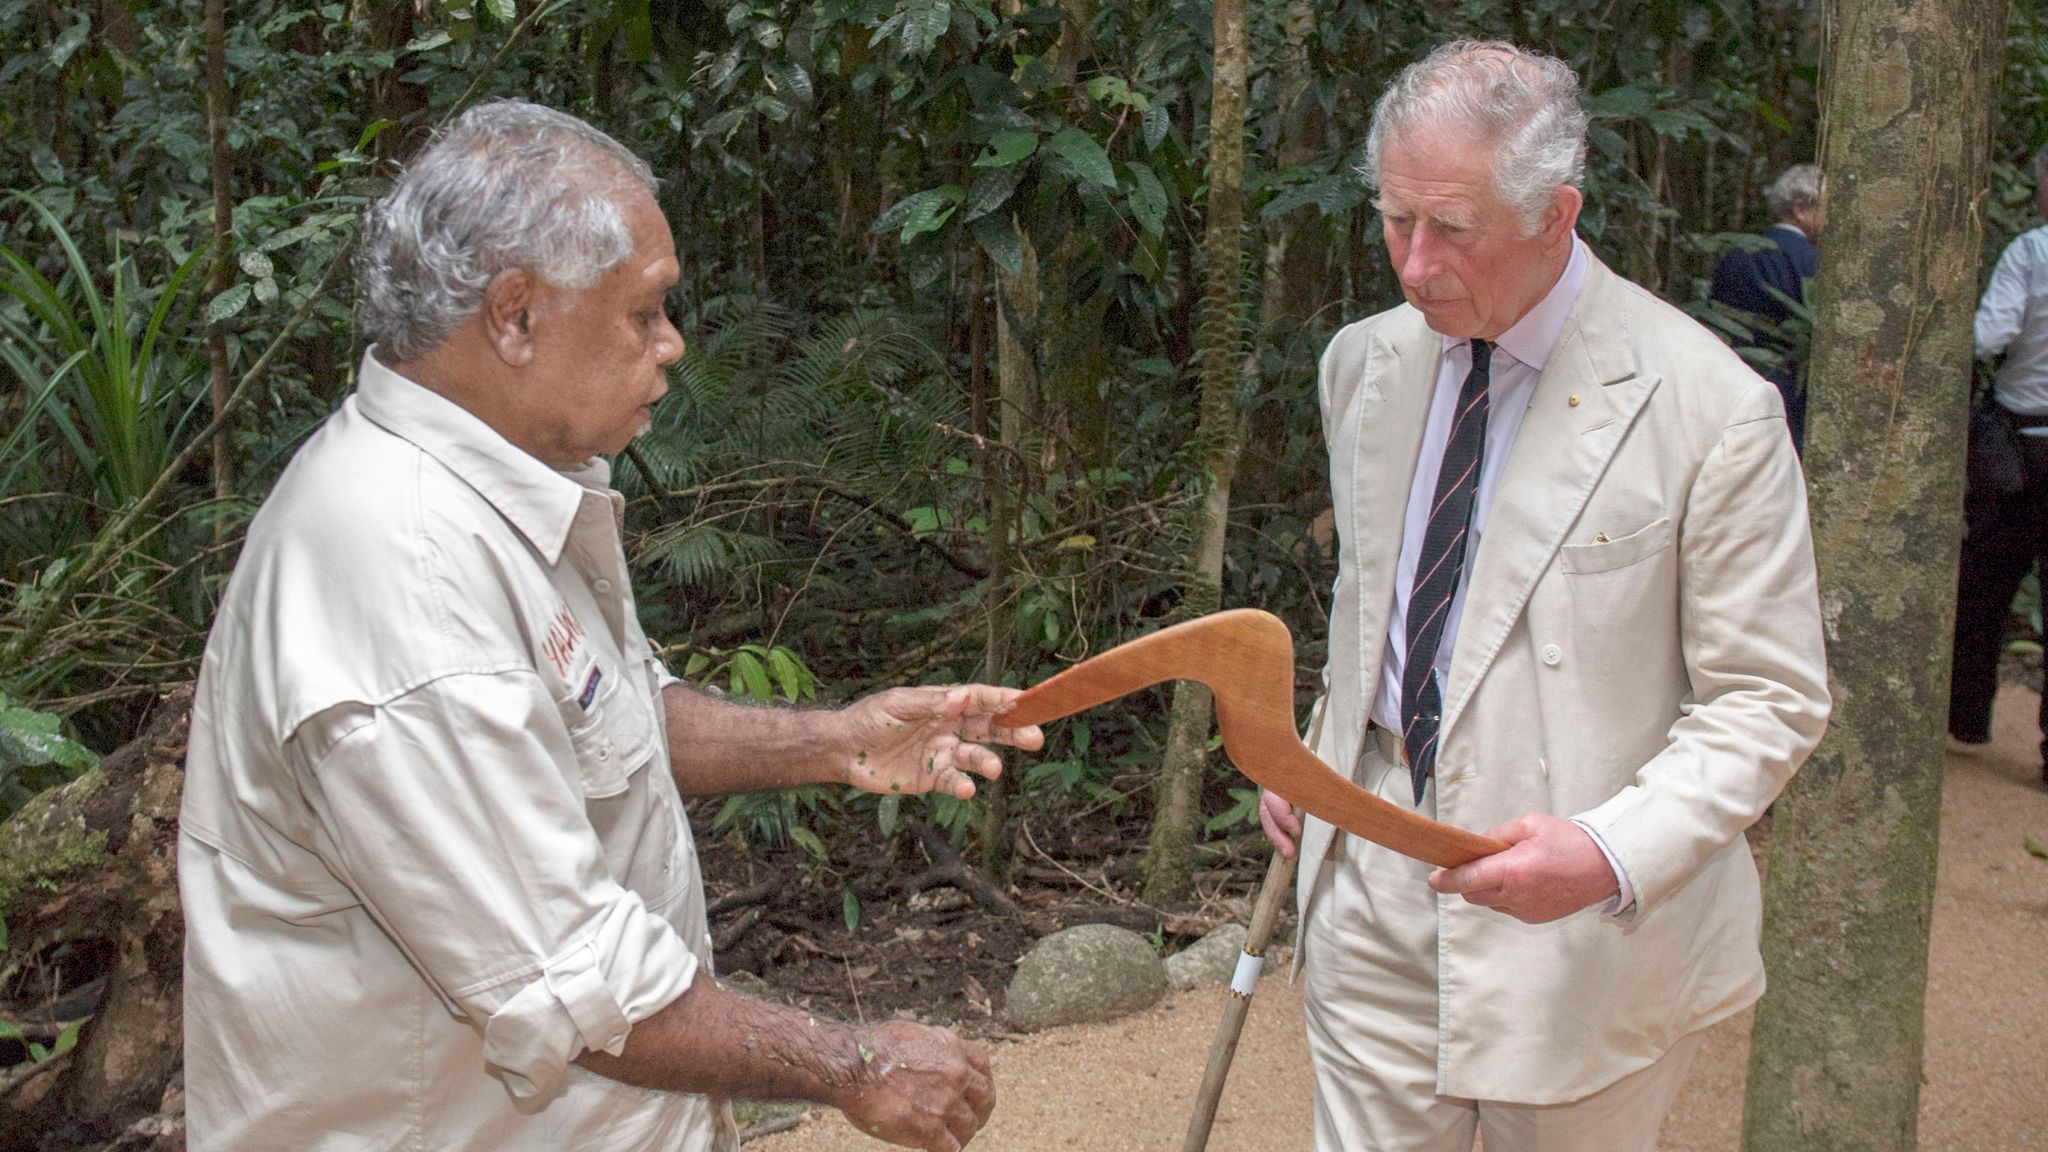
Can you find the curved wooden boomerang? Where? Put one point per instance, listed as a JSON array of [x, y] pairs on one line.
[[1246, 657]]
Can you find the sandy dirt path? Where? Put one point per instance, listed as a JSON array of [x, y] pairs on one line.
[[1128, 1085]]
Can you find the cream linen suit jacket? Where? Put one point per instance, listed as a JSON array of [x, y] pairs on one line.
[[1640, 647]]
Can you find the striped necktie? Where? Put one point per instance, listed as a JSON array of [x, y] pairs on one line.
[[1438, 569]]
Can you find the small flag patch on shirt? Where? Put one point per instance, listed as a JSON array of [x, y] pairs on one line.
[[589, 692]]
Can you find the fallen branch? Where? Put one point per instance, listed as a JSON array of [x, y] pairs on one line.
[[949, 869]]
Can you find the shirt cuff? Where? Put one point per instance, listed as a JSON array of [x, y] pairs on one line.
[[1624, 899], [587, 999]]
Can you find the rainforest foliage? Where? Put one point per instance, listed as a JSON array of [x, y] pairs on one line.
[[944, 278]]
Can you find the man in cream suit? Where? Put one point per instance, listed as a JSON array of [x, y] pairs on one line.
[[1575, 610]]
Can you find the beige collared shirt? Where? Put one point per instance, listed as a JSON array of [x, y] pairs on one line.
[[430, 850]]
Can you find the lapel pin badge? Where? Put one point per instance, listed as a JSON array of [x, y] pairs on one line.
[[1574, 401]]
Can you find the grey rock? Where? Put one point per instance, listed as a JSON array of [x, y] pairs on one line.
[[1210, 960], [1085, 973]]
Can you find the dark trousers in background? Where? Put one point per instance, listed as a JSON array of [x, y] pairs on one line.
[[2008, 532]]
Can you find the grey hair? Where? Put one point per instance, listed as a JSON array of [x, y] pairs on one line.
[[1795, 186], [509, 185], [1525, 102]]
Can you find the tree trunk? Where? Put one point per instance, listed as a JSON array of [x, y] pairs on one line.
[[995, 595], [1169, 863], [221, 161], [391, 28], [95, 862], [1835, 1058]]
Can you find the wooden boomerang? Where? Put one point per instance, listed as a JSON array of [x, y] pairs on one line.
[[1246, 657]]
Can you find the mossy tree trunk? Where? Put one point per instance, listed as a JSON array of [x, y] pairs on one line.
[[93, 863], [1169, 862], [1835, 1058]]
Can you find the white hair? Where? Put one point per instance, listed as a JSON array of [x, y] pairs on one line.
[[1795, 187], [1526, 103], [509, 185]]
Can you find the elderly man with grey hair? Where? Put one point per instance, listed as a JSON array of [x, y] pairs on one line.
[[1761, 283], [1576, 611], [439, 890]]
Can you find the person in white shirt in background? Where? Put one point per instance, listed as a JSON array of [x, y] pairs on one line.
[[2006, 515], [439, 890]]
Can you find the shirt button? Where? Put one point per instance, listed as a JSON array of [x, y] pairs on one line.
[[604, 587], [1552, 654], [604, 750]]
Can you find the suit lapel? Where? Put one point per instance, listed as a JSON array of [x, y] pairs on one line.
[[1400, 377], [1558, 457]]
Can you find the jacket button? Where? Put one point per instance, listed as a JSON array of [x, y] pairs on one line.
[[1552, 654]]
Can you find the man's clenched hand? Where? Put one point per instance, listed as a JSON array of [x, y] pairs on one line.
[[1550, 870]]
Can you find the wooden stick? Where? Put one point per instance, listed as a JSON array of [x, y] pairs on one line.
[[1246, 657], [1265, 912]]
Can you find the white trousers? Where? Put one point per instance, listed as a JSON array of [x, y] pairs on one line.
[[1370, 953]]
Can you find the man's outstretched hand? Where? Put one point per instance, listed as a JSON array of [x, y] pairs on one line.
[[912, 740]]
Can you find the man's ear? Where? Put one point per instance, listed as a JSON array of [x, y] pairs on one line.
[[507, 315], [1562, 216]]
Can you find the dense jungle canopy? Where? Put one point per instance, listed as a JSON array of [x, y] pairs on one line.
[[954, 305]]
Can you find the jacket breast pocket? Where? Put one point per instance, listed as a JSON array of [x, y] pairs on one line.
[[610, 731], [1609, 555]]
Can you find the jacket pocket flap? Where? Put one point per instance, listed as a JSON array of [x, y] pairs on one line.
[[1607, 555]]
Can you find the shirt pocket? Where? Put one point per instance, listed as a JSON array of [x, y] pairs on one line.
[[1609, 555], [610, 730]]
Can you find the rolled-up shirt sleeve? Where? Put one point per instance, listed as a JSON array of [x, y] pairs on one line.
[[455, 813]]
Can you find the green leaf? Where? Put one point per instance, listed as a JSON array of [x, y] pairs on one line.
[[1006, 148], [931, 213], [991, 191], [697, 662], [789, 675], [68, 1038], [71, 41], [32, 739], [503, 11], [1148, 198], [430, 41], [809, 841], [1156, 126], [225, 305], [888, 814], [749, 677], [2033, 849], [920, 212], [997, 235], [1080, 150], [849, 907], [1116, 92]]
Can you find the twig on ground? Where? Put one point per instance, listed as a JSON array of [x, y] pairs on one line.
[[771, 1127], [743, 898], [1127, 901]]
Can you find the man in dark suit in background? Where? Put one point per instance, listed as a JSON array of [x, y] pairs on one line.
[[1752, 281]]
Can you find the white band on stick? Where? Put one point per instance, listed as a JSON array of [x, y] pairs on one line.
[[1246, 978]]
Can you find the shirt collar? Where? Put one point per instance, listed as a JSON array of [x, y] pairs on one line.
[[538, 500], [1533, 337], [1795, 229]]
